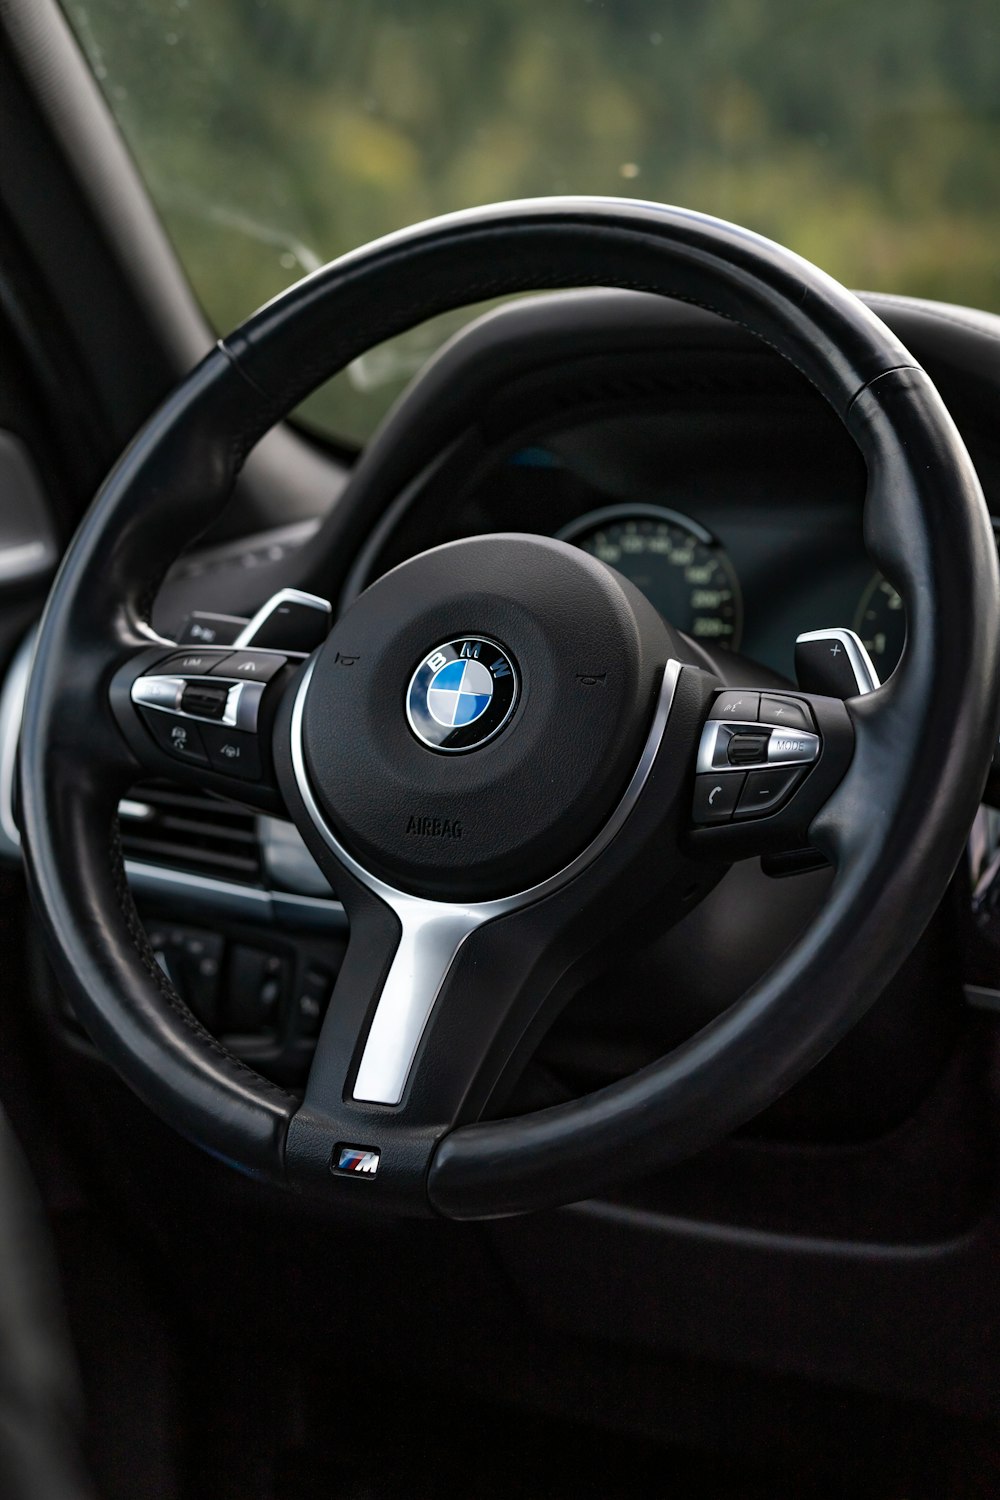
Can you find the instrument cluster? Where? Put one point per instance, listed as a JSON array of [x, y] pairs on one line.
[[742, 552], [688, 574]]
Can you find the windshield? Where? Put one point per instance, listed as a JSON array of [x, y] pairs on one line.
[[274, 134]]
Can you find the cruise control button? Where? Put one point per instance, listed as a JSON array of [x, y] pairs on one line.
[[190, 663], [766, 790], [789, 713], [178, 737], [231, 752], [716, 796], [736, 706], [249, 666], [206, 699]]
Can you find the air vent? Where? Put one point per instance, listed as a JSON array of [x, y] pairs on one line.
[[163, 825]]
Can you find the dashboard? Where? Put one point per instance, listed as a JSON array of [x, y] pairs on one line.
[[673, 447], [734, 548], [733, 575]]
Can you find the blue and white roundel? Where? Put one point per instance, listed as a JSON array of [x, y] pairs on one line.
[[462, 694]]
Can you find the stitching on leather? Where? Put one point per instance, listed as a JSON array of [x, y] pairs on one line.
[[968, 324], [481, 291], [167, 992]]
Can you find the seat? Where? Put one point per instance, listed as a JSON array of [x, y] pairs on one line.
[[40, 1406]]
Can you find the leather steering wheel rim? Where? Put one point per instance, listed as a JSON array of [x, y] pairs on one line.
[[895, 827]]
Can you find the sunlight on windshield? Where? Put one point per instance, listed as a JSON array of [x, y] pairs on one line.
[[274, 134]]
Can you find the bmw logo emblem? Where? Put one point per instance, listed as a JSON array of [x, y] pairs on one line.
[[462, 694]]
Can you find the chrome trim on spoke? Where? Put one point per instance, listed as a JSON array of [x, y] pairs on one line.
[[203, 895], [133, 811], [166, 694], [11, 711], [792, 747], [861, 664], [432, 932], [982, 997]]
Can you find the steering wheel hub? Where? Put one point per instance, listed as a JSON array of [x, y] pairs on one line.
[[553, 690]]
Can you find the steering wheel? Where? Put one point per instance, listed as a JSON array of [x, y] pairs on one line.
[[501, 754]]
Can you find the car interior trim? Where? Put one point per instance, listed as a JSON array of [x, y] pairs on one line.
[[11, 707], [247, 902]]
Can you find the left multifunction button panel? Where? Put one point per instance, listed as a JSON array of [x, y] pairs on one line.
[[755, 750], [204, 707]]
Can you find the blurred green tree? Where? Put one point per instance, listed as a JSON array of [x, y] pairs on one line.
[[275, 134]]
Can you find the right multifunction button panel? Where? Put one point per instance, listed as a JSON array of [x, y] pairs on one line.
[[755, 750]]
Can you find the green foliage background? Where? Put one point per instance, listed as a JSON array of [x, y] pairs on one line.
[[276, 133]]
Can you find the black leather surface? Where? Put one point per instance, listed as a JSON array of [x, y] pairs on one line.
[[40, 1404], [297, 340], [178, 474], [74, 766], [532, 798]]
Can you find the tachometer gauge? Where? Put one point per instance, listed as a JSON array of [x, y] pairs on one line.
[[677, 564], [880, 621]]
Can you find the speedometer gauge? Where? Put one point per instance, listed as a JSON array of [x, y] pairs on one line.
[[677, 564]]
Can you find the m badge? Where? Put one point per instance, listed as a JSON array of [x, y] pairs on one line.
[[357, 1160]]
